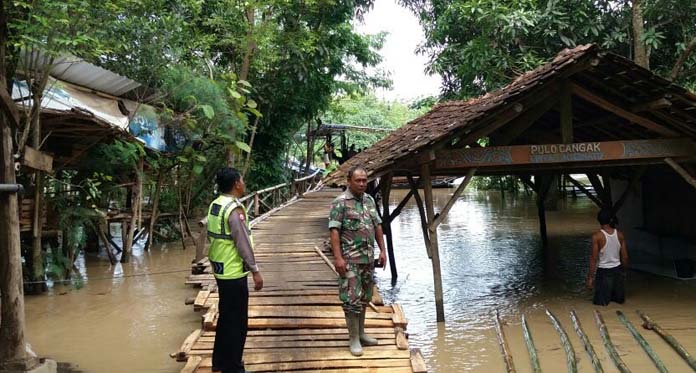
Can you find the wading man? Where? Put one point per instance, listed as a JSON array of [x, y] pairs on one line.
[[232, 258], [354, 226], [608, 262]]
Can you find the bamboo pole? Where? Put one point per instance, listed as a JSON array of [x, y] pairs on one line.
[[533, 357], [565, 341], [586, 342], [643, 343], [651, 325], [502, 342], [604, 332]]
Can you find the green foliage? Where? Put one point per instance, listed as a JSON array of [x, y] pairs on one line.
[[480, 45]]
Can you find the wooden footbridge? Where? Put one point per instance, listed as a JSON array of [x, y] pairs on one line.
[[296, 322]]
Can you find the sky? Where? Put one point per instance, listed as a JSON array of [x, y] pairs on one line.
[[399, 52]]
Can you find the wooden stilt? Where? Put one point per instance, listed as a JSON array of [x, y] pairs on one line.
[[604, 332], [400, 206], [386, 225], [533, 357], [430, 212], [502, 342], [651, 325], [565, 341], [542, 190], [37, 273], [105, 241], [642, 342], [596, 364]]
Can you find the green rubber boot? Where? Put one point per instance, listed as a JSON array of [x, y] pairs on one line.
[[353, 322], [365, 339]]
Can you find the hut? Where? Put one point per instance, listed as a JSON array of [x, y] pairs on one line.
[[632, 132]]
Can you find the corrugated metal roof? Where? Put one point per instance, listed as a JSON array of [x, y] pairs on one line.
[[77, 71]]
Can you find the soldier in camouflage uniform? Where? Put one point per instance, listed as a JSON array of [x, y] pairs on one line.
[[354, 225]]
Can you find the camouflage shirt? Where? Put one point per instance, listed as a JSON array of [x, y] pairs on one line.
[[356, 220]]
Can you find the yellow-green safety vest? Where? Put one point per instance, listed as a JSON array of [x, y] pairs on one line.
[[225, 260]]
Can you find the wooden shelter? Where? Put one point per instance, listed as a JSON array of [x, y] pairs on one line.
[[586, 111]]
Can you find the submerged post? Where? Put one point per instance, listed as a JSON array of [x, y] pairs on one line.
[[432, 229], [385, 187]]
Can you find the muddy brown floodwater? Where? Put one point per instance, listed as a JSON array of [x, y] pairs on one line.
[[491, 259]]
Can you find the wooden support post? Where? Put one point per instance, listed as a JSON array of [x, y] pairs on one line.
[[385, 186], [681, 171], [256, 205], [12, 343], [155, 210], [543, 184], [430, 213], [37, 268]]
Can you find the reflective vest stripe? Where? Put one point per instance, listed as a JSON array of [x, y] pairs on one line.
[[223, 221]]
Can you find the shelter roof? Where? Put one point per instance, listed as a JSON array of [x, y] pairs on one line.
[[666, 111]]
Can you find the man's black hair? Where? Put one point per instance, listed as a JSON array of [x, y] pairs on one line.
[[226, 178], [352, 170], [605, 217]]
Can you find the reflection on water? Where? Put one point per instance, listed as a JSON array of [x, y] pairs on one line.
[[491, 259], [127, 317]]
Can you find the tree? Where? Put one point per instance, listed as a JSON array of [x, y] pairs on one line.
[[480, 45]]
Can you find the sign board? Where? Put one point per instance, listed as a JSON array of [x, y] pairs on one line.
[[564, 153], [37, 160]]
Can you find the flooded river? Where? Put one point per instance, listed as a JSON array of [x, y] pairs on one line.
[[491, 259]]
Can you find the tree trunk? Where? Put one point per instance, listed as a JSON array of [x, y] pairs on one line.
[[676, 70], [641, 54], [155, 210], [136, 200], [12, 350]]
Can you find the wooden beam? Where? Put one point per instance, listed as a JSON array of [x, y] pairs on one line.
[[421, 211], [566, 109], [587, 95], [599, 189], [517, 126], [660, 103], [508, 114], [585, 191], [400, 207], [37, 160], [458, 192], [681, 171], [543, 185], [465, 159], [430, 212]]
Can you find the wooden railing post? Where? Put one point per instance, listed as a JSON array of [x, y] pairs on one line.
[[256, 204]]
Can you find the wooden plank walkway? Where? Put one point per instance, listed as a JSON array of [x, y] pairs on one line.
[[296, 322]]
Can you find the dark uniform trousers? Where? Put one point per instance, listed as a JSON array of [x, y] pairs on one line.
[[231, 331]]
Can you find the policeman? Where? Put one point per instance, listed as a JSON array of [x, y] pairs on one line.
[[232, 258], [354, 224]]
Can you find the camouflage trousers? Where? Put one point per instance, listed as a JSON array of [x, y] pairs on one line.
[[355, 288]]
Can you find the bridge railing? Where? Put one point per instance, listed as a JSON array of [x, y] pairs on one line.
[[262, 203]]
